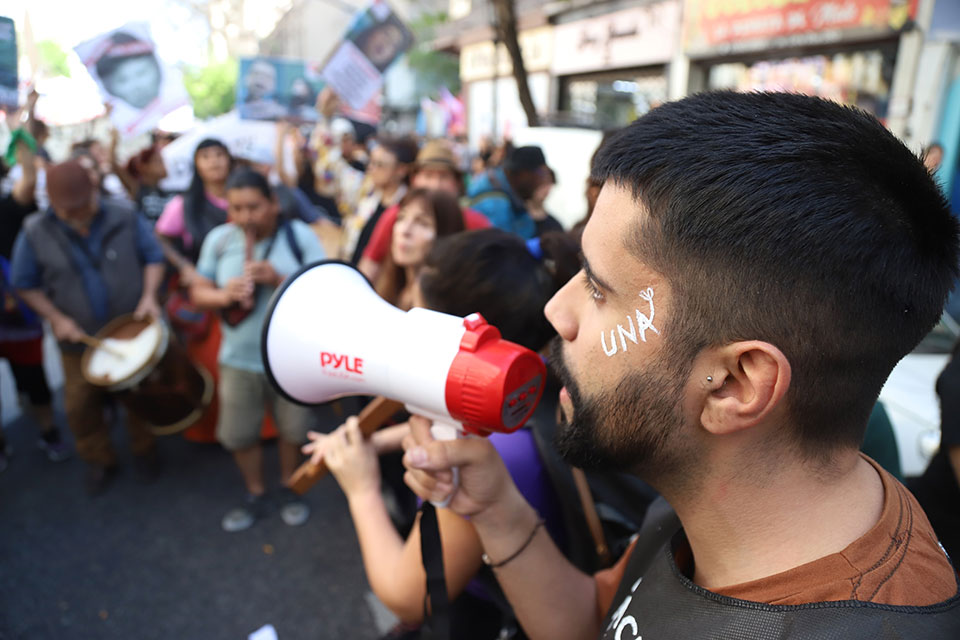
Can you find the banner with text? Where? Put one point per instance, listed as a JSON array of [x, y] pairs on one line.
[[719, 27]]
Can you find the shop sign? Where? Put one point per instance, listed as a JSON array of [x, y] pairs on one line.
[[728, 26], [629, 38], [477, 61]]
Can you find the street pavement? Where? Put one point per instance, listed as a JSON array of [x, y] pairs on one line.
[[151, 562]]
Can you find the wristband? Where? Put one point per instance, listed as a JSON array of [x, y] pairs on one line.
[[495, 565]]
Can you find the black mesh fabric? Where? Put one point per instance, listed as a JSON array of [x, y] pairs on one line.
[[665, 604]]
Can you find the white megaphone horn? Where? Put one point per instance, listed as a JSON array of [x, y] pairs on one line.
[[327, 335]]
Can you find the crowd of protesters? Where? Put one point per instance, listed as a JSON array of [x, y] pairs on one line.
[[94, 237]]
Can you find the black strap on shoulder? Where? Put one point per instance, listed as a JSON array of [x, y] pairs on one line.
[[437, 617], [659, 525], [292, 241]]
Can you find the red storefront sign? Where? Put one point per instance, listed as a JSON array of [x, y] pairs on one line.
[[723, 24]]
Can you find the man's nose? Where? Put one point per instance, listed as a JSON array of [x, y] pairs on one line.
[[560, 312]]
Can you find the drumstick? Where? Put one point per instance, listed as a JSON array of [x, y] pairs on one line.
[[373, 415], [90, 341]]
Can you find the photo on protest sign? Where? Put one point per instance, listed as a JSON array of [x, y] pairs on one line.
[[8, 64], [278, 89], [133, 80], [375, 39]]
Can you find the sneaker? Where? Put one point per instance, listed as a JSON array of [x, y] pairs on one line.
[[98, 477], [147, 467], [294, 511], [51, 444], [242, 518]]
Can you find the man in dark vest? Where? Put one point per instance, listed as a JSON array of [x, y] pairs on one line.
[[755, 266], [80, 264]]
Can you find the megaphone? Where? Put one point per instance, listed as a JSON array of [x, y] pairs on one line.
[[328, 335]]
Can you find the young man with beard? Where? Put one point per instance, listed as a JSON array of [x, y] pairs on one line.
[[755, 266]]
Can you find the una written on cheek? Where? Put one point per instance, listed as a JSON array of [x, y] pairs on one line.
[[633, 331]]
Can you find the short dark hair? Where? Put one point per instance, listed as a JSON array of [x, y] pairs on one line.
[[404, 149], [244, 178], [796, 221], [528, 158], [493, 273]]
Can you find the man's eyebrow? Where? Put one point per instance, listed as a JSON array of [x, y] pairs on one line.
[[596, 280]]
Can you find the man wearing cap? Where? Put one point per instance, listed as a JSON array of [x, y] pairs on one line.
[[501, 194], [79, 264], [436, 169]]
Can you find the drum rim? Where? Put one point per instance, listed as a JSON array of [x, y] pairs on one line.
[[143, 371], [189, 420]]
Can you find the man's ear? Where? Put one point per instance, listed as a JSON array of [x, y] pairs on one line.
[[748, 381]]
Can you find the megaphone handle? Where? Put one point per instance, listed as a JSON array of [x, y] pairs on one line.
[[445, 431], [371, 418]]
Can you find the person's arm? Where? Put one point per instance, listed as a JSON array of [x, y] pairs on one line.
[[390, 439], [65, 329], [153, 271], [25, 187], [131, 184], [179, 261], [26, 278], [394, 567], [205, 294], [171, 225], [149, 306], [283, 132], [551, 597]]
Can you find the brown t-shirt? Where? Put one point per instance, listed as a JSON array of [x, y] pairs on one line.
[[897, 562]]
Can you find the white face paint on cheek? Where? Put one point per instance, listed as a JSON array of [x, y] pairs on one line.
[[632, 331]]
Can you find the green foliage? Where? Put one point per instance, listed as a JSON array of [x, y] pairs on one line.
[[53, 59], [435, 68], [213, 88]]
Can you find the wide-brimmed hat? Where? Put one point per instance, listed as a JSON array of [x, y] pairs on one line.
[[437, 153]]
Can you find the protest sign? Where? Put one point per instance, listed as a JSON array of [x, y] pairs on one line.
[[278, 89], [374, 40], [8, 64], [131, 77]]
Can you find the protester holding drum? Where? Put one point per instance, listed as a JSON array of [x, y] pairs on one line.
[[80, 264], [241, 263]]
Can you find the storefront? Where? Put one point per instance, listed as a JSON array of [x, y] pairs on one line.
[[492, 100], [844, 51], [611, 68]]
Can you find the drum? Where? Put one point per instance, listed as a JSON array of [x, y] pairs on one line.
[[138, 360]]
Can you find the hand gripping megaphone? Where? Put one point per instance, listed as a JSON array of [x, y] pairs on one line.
[[327, 335]]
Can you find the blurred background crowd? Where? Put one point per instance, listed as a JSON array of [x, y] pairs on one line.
[[169, 163]]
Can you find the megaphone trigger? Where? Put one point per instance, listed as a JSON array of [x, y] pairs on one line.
[[443, 431]]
